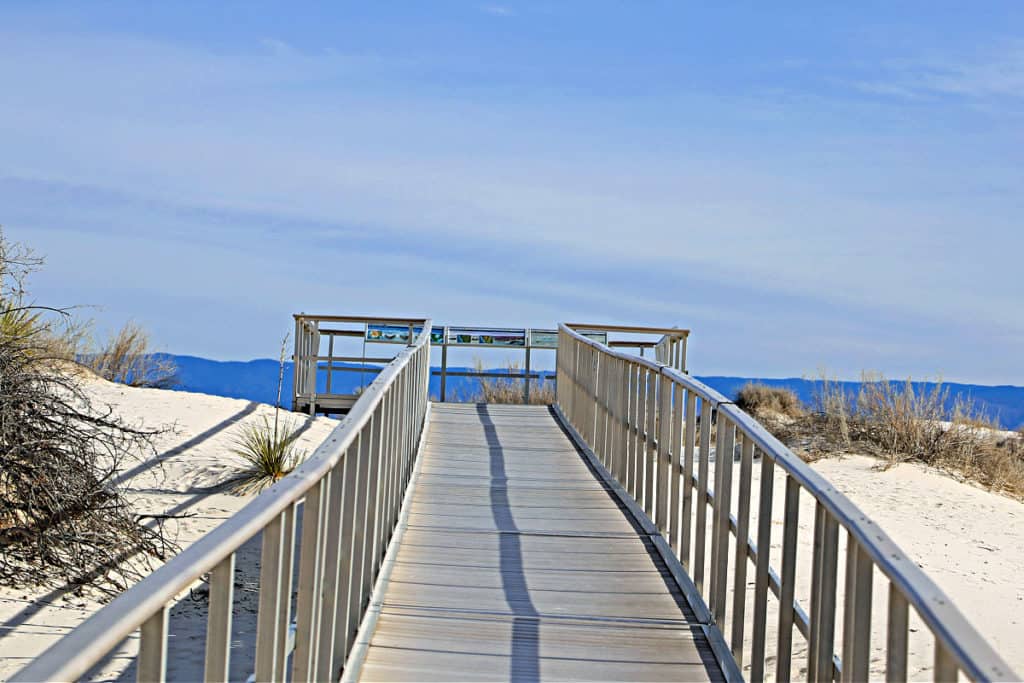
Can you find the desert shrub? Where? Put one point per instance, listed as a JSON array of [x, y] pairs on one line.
[[761, 400], [62, 518], [898, 422], [510, 391], [127, 358], [268, 450]]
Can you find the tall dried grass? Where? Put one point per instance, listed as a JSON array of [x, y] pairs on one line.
[[900, 422], [761, 400], [127, 358], [510, 391]]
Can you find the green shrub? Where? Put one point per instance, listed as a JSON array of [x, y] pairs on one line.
[[269, 452]]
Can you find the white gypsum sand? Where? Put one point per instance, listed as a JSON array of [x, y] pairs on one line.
[[968, 540], [193, 456]]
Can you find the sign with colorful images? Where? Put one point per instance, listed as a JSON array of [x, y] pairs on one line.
[[548, 339], [399, 334], [467, 336], [544, 339]]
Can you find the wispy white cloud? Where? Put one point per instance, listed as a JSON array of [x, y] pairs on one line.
[[498, 10], [996, 74]]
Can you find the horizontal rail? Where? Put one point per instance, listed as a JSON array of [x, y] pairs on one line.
[[629, 329], [642, 419], [360, 319], [349, 490]]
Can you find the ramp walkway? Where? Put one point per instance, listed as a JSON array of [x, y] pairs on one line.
[[517, 562]]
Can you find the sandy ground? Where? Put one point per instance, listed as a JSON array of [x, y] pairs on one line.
[[193, 456], [968, 540]]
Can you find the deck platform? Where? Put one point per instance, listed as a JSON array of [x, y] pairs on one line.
[[516, 562]]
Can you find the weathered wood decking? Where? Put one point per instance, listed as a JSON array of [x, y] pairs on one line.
[[516, 563]]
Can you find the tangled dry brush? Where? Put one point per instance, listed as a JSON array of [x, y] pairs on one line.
[[63, 519]]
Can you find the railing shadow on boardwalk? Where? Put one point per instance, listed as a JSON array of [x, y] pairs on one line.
[[525, 645]]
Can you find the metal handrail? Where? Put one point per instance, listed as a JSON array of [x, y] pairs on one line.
[[350, 489], [641, 419]]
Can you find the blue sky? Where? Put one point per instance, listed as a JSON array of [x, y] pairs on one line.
[[802, 184]]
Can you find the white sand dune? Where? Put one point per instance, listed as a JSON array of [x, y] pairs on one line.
[[970, 541]]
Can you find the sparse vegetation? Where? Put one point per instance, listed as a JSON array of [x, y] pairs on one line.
[[901, 422], [267, 449], [510, 391], [761, 400], [127, 358], [63, 519], [269, 452]]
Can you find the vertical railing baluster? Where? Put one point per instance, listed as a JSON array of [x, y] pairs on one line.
[[650, 455], [634, 410], [823, 622], [700, 535], [739, 584], [284, 594], [330, 584], [675, 464], [761, 580], [267, 622], [896, 638], [946, 669], [349, 564], [307, 635], [218, 621], [723, 503], [372, 507], [689, 436], [790, 528], [664, 428], [152, 667], [857, 613]]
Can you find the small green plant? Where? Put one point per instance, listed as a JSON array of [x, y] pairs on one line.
[[268, 449], [269, 452]]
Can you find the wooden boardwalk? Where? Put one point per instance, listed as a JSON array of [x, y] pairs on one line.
[[515, 562]]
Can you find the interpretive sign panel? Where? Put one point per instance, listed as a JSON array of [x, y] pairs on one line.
[[478, 336], [399, 334]]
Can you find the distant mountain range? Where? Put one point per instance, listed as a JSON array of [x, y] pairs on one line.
[[256, 380]]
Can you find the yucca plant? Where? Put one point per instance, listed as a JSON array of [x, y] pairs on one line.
[[268, 449], [269, 452]]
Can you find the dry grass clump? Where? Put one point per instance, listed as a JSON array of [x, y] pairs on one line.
[[899, 422], [510, 391], [127, 358], [763, 401]]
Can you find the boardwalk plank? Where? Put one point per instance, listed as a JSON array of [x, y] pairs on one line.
[[517, 564]]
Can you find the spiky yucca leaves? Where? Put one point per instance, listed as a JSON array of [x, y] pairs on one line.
[[269, 453]]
